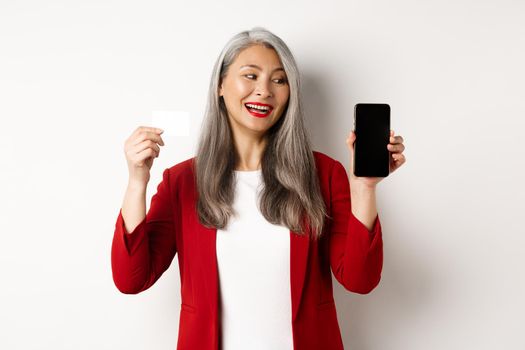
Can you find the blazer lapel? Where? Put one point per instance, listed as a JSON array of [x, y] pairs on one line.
[[299, 247], [209, 265]]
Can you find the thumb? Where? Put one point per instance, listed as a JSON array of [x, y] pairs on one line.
[[350, 140], [350, 143]]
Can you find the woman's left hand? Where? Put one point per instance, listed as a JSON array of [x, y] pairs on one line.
[[396, 159]]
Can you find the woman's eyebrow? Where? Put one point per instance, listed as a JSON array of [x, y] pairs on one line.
[[259, 68]]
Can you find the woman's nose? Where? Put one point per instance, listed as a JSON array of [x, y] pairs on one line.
[[264, 89]]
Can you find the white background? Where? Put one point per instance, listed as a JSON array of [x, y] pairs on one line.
[[77, 77]]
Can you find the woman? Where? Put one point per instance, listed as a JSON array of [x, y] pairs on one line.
[[257, 218]]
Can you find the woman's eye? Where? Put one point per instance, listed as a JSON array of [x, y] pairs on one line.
[[279, 81]]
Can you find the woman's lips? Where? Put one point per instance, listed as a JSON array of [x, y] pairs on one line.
[[259, 114]]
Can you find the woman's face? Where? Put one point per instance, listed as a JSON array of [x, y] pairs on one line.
[[255, 77]]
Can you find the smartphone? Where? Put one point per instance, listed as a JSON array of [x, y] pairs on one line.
[[372, 130]]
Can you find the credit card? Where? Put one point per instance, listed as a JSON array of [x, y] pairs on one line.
[[174, 123]]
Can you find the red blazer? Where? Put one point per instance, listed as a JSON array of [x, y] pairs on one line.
[[354, 255]]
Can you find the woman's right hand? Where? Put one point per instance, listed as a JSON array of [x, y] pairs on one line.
[[141, 149]]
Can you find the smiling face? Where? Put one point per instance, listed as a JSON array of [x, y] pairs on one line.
[[255, 77]]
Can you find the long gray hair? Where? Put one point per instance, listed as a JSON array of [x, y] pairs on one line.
[[291, 193]]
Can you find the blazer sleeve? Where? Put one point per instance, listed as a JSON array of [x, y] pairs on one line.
[[140, 257], [356, 254]]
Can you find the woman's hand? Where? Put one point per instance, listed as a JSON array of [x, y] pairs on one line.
[[396, 159], [140, 150]]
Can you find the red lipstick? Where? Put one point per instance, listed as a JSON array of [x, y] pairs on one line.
[[259, 113]]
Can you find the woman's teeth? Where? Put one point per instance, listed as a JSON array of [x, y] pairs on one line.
[[258, 108]]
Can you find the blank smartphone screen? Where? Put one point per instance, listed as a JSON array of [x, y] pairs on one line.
[[372, 130]]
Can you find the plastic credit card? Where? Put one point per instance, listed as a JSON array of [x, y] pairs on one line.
[[174, 123]]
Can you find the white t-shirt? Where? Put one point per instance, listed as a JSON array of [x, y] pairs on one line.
[[253, 258]]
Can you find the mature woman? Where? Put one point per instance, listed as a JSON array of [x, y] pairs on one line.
[[258, 219]]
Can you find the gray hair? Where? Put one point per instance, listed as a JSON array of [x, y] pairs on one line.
[[291, 193]]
